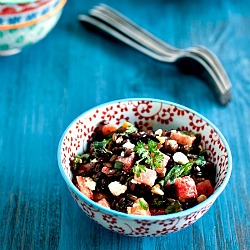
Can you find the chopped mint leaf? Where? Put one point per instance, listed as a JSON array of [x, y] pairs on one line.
[[98, 144], [200, 161], [78, 159], [173, 207], [143, 204], [101, 145], [184, 132], [131, 129], [118, 165], [178, 171]]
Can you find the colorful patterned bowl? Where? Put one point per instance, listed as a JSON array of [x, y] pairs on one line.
[[146, 113], [14, 37], [11, 14]]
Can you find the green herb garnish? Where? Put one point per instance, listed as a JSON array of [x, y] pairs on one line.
[[131, 129], [158, 158], [118, 165], [141, 150], [138, 169], [200, 161], [184, 132], [101, 145], [142, 204], [150, 154], [98, 144], [182, 170], [78, 159], [178, 171], [152, 146], [173, 207]]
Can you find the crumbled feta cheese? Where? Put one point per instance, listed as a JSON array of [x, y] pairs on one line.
[[134, 181], [128, 145], [90, 183], [157, 190], [180, 158], [94, 160], [116, 188], [161, 139], [119, 140], [158, 132], [172, 143]]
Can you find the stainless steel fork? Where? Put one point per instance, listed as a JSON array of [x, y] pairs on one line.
[[197, 60]]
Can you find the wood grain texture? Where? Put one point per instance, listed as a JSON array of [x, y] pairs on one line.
[[73, 69]]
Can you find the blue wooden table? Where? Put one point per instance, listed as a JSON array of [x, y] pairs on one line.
[[47, 85]]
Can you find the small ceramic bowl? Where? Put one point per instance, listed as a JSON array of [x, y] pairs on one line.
[[146, 113], [14, 37], [20, 13]]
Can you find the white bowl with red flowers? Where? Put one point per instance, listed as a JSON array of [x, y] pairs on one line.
[[145, 114]]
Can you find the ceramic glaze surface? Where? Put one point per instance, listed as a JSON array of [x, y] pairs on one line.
[[16, 39]]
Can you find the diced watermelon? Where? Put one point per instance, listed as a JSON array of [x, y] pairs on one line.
[[181, 138], [98, 196], [137, 209], [127, 161], [148, 177], [205, 187], [83, 188], [185, 188], [104, 203], [106, 170]]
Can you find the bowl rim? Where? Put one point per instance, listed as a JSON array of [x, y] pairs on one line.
[[44, 3], [183, 213], [52, 12]]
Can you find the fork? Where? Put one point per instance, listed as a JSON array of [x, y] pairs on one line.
[[197, 60]]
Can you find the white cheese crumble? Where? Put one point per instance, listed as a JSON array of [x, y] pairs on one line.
[[134, 181], [161, 139], [90, 183], [119, 140], [172, 143], [128, 145], [180, 158], [158, 132], [116, 188]]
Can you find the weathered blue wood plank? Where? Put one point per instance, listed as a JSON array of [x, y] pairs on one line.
[[73, 69]]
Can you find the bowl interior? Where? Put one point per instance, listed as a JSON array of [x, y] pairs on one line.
[[147, 114]]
